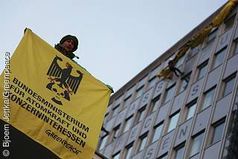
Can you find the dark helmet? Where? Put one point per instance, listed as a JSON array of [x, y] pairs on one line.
[[71, 37]]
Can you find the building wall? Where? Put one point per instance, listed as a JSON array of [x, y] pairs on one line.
[[193, 117]]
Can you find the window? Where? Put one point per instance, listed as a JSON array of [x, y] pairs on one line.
[[180, 61], [154, 104], [219, 58], [196, 144], [191, 110], [212, 35], [184, 82], [152, 81], [229, 23], [208, 98], [128, 123], [128, 152], [217, 132], [127, 101], [103, 142], [139, 91], [235, 47], [179, 153], [169, 93], [208, 44], [157, 132], [228, 85], [115, 133], [116, 156], [173, 122], [106, 117], [141, 114], [202, 69], [115, 110], [142, 143]]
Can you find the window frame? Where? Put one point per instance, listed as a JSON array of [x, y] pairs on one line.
[[126, 127], [234, 50], [139, 116], [115, 133], [225, 81], [170, 128], [161, 126], [155, 103], [103, 142], [205, 97], [188, 107], [214, 126], [143, 140], [128, 148], [202, 66], [190, 155], [115, 108], [166, 97], [181, 146], [229, 20], [139, 91], [216, 63], [187, 76]]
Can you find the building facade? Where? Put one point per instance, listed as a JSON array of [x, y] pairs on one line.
[[187, 117]]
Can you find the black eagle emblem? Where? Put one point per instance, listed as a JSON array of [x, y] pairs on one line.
[[61, 80]]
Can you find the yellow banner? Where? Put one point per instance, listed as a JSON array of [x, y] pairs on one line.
[[53, 100]]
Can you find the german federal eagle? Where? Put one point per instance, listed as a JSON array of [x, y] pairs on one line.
[[61, 80]]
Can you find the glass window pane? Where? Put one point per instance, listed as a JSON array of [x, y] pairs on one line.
[[219, 58], [127, 101], [103, 142], [228, 87], [155, 104], [141, 114], [128, 124], [152, 82], [157, 132], [208, 46], [128, 152], [212, 35], [235, 45], [217, 135], [184, 84], [142, 145], [191, 111], [115, 133], [169, 93], [196, 144], [202, 71], [115, 110], [173, 122], [180, 61], [179, 153], [208, 98], [139, 91], [229, 23]]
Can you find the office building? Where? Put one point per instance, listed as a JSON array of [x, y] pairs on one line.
[[192, 116]]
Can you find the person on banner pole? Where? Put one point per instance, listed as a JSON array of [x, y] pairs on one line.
[[67, 45], [175, 70]]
